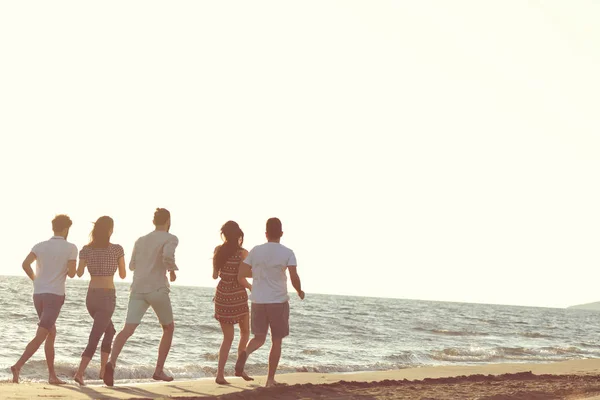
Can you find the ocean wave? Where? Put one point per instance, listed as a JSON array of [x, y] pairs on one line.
[[312, 352], [448, 332], [534, 335], [409, 359], [36, 371], [333, 334], [211, 356], [504, 354]]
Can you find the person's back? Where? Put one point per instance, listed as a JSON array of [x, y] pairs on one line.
[[266, 265], [55, 260], [52, 258], [153, 255], [269, 263]]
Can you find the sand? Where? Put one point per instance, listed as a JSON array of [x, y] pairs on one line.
[[565, 380]]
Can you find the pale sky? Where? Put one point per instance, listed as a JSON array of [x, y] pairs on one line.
[[413, 149]]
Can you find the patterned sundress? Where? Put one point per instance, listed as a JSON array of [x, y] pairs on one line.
[[231, 299]]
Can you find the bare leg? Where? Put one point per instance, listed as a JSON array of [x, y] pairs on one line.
[[103, 361], [255, 344], [228, 334], [163, 352], [49, 350], [120, 341], [30, 350], [244, 338], [274, 357], [82, 367]]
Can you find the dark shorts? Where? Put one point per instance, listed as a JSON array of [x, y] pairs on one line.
[[275, 316], [48, 307]]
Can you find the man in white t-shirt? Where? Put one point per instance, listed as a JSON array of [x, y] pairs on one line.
[[55, 259], [267, 265]]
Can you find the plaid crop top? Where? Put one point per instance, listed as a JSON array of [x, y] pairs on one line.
[[102, 261]]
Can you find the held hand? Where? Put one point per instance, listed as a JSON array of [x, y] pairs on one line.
[[173, 276], [301, 295]]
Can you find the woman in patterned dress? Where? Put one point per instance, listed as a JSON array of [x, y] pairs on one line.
[[231, 299]]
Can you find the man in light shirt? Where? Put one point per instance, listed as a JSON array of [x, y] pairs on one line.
[[266, 265], [152, 257], [55, 259]]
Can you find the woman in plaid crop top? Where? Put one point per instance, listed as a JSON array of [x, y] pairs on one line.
[[102, 260]]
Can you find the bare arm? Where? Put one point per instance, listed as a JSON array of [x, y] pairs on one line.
[[122, 269], [72, 263], [295, 278], [245, 272], [215, 269], [71, 268], [81, 267], [27, 265], [132, 261]]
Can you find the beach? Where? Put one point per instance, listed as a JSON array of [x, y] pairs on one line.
[[340, 347], [328, 334], [575, 379]]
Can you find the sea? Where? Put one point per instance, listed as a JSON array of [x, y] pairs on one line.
[[328, 334]]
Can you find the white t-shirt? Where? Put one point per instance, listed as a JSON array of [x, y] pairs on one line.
[[52, 257], [269, 262]]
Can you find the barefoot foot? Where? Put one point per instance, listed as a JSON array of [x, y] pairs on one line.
[[161, 376], [241, 363], [222, 381], [55, 381], [15, 373], [109, 375], [246, 377], [79, 380]]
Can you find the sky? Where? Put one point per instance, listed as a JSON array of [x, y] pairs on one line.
[[424, 150]]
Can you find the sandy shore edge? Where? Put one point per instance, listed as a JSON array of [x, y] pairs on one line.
[[588, 369]]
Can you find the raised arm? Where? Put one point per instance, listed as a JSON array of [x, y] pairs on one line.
[[27, 265]]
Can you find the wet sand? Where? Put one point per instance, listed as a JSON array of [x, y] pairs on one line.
[[566, 380]]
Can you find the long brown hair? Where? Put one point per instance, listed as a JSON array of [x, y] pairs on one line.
[[100, 235], [233, 239]]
